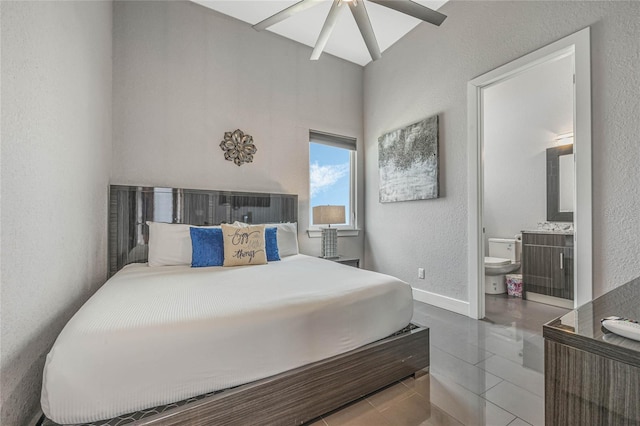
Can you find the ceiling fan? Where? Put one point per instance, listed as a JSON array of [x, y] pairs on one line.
[[361, 16]]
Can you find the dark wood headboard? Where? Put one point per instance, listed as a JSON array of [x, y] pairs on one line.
[[130, 207]]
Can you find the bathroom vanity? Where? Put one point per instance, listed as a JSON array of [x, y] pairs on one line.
[[547, 265], [592, 376]]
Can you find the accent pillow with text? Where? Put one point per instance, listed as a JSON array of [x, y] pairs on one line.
[[244, 246]]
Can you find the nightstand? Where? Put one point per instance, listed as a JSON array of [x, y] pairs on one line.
[[350, 261]]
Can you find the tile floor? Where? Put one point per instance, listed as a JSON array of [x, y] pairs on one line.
[[486, 372]]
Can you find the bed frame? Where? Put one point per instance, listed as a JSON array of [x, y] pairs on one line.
[[293, 397], [300, 395], [303, 394]]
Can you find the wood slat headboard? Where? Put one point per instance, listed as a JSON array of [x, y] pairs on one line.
[[130, 207]]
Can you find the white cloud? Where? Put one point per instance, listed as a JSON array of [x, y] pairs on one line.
[[323, 177]]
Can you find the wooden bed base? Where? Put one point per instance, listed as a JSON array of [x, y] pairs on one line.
[[300, 395], [303, 394]]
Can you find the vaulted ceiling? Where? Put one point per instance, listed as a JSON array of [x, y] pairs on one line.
[[345, 42]]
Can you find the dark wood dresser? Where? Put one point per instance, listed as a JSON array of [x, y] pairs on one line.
[[592, 377]]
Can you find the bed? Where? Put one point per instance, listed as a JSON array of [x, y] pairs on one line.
[[280, 343]]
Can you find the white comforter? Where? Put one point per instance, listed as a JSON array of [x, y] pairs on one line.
[[152, 336]]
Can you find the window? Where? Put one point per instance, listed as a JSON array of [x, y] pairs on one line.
[[332, 179]]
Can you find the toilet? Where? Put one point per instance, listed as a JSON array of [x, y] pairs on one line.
[[504, 258]]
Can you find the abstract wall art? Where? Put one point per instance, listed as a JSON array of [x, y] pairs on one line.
[[408, 162]]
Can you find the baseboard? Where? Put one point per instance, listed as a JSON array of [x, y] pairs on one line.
[[450, 304], [550, 300]]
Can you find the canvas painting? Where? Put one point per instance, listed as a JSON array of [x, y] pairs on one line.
[[408, 162]]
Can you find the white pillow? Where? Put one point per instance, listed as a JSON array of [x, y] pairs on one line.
[[287, 237], [170, 243]]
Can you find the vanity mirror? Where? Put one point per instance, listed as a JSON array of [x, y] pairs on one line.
[[560, 183]]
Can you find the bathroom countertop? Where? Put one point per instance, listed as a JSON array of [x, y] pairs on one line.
[[582, 330], [542, 231]]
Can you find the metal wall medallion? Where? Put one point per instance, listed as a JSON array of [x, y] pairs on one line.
[[238, 147]]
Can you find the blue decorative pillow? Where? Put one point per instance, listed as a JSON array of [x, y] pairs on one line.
[[207, 247], [271, 244]]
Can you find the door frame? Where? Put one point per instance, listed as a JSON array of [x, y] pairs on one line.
[[579, 45]]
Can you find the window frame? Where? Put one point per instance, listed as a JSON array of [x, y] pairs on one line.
[[350, 144]]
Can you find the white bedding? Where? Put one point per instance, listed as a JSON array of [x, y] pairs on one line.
[[152, 336]]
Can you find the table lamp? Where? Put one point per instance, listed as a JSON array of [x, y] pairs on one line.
[[326, 215]]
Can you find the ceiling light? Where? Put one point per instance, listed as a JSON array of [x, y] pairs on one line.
[[564, 138]]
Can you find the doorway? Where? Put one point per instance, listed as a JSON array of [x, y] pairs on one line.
[[574, 49]]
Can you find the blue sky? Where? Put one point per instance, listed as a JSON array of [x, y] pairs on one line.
[[329, 175]]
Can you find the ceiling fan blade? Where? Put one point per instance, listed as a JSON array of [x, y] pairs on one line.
[[413, 9], [364, 24], [327, 28], [285, 13]]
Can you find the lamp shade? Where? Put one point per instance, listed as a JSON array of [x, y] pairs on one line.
[[326, 215]]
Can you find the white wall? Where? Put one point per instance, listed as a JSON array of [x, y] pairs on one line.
[[427, 72], [184, 74], [522, 117], [55, 160]]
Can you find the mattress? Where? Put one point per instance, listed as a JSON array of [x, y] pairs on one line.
[[152, 336]]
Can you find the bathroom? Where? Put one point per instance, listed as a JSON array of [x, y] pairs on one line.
[[529, 189]]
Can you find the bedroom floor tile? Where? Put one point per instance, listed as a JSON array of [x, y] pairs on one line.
[[519, 422], [482, 372], [452, 344], [416, 410], [518, 401], [465, 406], [359, 413], [517, 374], [527, 315], [389, 396], [466, 375]]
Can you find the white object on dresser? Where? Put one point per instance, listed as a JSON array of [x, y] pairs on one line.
[[622, 327]]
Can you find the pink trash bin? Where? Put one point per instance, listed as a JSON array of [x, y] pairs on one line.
[[514, 285]]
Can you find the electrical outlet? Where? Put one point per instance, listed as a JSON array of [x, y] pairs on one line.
[[421, 273]]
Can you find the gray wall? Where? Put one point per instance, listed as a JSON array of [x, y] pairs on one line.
[[522, 118], [184, 74], [56, 161], [427, 73]]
